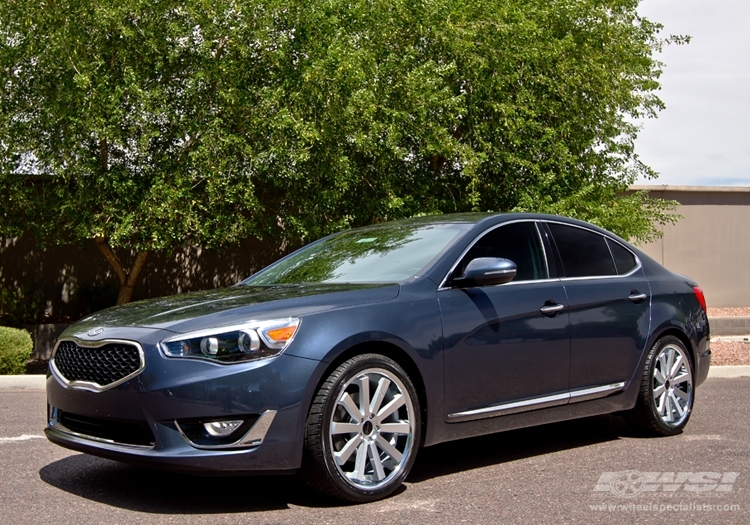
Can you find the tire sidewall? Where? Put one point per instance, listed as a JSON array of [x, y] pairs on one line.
[[651, 363], [354, 367]]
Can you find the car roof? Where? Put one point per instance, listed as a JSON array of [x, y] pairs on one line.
[[483, 218], [479, 221]]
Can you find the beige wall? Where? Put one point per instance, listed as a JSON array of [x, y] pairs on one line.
[[711, 243]]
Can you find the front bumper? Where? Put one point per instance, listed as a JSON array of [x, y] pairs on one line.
[[270, 395]]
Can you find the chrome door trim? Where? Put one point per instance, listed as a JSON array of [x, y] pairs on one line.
[[585, 394], [511, 408], [638, 265], [514, 407]]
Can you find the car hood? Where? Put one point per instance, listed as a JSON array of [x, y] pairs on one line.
[[198, 310]]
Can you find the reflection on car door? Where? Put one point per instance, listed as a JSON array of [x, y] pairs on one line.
[[502, 354]]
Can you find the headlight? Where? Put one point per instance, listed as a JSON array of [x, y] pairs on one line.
[[242, 342]]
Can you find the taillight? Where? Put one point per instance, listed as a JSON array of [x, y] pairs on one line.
[[701, 298]]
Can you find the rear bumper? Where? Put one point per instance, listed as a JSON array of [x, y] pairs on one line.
[[703, 364]]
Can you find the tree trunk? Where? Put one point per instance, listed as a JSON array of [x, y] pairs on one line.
[[127, 278]]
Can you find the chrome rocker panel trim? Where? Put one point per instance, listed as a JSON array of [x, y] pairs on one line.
[[514, 407]]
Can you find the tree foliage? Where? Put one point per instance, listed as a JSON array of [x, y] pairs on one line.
[[148, 124]]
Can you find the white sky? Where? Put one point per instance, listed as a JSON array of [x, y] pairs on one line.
[[702, 138]]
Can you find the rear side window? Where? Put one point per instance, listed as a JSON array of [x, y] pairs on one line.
[[584, 253], [518, 242], [624, 259]]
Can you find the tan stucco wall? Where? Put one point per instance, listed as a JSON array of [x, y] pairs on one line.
[[711, 243]]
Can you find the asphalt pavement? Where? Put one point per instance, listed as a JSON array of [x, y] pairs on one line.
[[592, 470]]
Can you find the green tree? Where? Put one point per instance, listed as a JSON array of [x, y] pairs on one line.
[[148, 124]]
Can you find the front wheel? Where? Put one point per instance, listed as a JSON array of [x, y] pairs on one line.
[[665, 400], [363, 430]]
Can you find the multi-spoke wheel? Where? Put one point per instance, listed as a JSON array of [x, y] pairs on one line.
[[666, 396], [363, 430]]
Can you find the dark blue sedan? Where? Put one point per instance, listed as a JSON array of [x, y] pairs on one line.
[[344, 358]]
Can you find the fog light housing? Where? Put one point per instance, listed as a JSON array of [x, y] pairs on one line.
[[227, 433], [222, 429]]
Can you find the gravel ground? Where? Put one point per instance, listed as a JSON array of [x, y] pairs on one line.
[[742, 311], [730, 353]]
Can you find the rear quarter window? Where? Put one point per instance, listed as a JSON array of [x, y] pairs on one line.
[[625, 261]]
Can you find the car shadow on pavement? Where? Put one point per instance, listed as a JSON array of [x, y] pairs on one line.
[[504, 447], [164, 492]]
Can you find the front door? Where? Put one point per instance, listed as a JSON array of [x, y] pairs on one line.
[[507, 347]]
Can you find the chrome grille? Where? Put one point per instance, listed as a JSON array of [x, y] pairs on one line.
[[103, 365]]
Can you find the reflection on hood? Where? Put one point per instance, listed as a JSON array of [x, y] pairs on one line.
[[244, 301]]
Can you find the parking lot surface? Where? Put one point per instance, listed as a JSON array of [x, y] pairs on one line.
[[587, 471]]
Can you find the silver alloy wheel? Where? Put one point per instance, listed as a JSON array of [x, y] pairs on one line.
[[372, 429], [672, 385]]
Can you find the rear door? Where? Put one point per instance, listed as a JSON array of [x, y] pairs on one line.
[[609, 306]]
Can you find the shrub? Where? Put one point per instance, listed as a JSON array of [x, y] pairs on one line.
[[15, 350]]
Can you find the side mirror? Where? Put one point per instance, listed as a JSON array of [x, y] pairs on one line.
[[489, 270]]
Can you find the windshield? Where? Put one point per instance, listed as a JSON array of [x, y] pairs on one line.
[[372, 255]]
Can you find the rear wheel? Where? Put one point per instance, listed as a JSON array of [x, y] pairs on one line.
[[363, 430], [665, 400]]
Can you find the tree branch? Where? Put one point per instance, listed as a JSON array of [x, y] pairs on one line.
[[104, 154], [126, 290], [112, 259], [127, 279]]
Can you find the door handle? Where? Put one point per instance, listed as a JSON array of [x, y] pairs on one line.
[[637, 297], [552, 309]]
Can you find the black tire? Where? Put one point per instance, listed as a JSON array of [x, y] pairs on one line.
[[665, 400], [382, 438]]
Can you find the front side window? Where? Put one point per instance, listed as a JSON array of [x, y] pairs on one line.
[[518, 242], [584, 253]]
